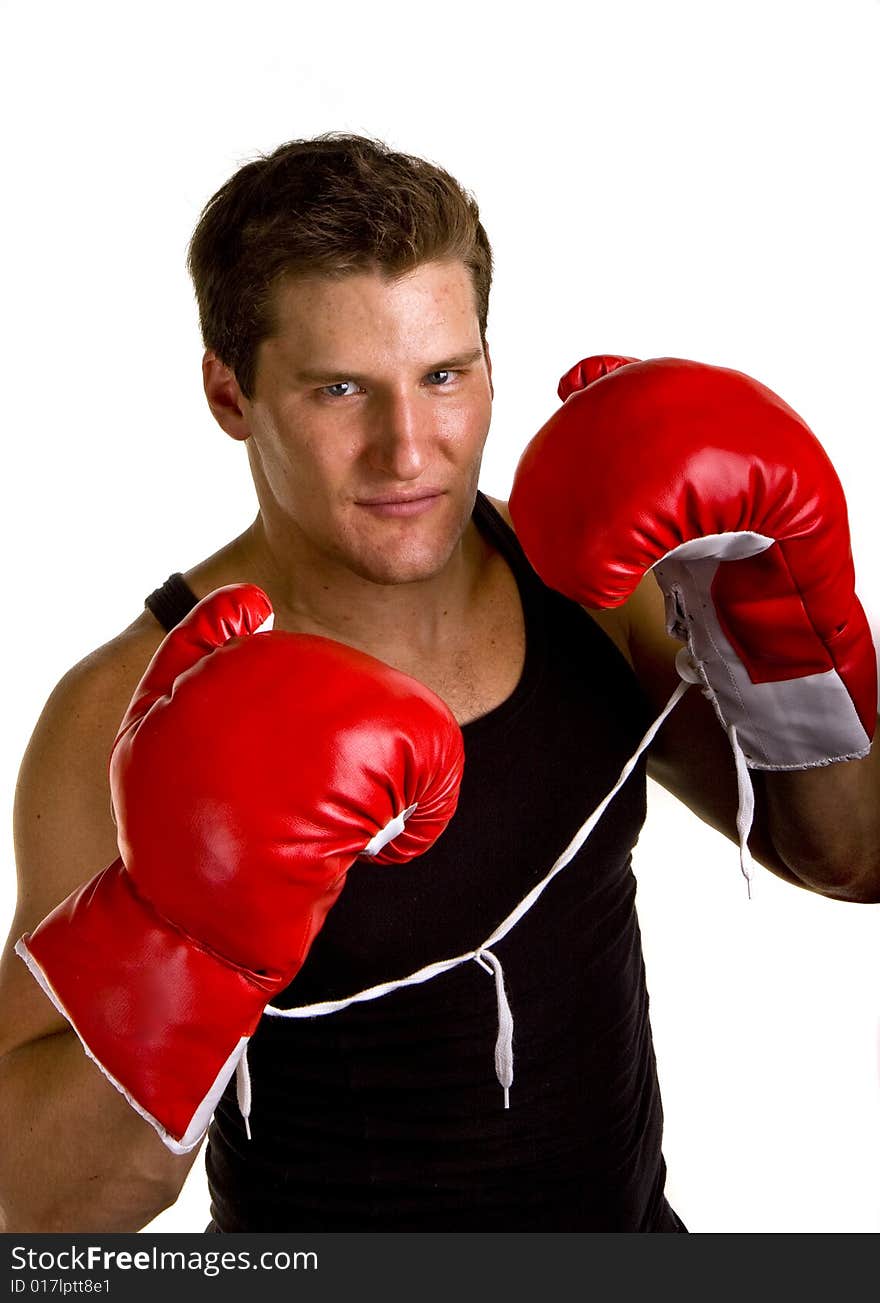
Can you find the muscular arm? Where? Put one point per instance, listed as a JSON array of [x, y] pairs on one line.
[[74, 1156], [817, 828]]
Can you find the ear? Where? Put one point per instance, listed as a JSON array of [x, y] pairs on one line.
[[225, 399]]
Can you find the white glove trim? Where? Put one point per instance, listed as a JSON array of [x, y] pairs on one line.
[[199, 1122]]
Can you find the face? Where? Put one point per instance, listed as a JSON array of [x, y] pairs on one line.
[[370, 411]]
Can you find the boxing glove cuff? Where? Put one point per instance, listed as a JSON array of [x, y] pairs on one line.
[[165, 1019], [798, 711]]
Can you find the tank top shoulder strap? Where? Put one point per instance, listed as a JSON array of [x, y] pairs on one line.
[[496, 530], [552, 618], [172, 601]]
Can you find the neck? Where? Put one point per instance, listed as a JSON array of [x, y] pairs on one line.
[[315, 594]]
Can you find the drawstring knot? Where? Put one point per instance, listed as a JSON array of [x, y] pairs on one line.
[[243, 1091], [504, 1042]]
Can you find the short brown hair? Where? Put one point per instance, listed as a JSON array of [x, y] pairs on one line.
[[334, 204]]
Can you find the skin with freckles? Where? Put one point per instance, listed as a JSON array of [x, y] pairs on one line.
[[365, 434]]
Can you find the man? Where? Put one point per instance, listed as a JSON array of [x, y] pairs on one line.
[[343, 292]]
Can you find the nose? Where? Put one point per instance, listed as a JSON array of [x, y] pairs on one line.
[[400, 437]]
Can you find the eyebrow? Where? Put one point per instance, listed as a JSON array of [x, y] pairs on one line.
[[331, 376]]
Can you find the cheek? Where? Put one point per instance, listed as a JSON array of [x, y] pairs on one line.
[[323, 456], [465, 429], [315, 479]]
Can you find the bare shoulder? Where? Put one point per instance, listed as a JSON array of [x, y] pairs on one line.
[[614, 623], [62, 827], [63, 830]]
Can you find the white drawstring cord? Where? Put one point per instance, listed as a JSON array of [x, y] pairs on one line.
[[482, 953]]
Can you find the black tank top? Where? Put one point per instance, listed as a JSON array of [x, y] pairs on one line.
[[387, 1115]]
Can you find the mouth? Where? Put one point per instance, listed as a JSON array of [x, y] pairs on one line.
[[401, 504]]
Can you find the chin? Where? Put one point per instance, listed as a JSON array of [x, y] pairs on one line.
[[389, 570], [409, 555]]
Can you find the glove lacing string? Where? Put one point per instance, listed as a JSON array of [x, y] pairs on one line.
[[745, 809], [243, 1091], [745, 806], [482, 954]]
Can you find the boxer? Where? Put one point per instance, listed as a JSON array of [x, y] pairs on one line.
[[343, 299]]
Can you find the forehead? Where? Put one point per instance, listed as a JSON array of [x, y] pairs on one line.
[[432, 305]]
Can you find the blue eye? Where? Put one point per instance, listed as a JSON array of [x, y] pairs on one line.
[[432, 374], [338, 385]]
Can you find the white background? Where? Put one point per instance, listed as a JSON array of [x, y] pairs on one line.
[[679, 178]]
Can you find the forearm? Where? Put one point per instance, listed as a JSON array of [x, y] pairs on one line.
[[825, 825], [75, 1156]]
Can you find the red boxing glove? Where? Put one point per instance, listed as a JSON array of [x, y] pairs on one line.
[[250, 771], [708, 478]]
